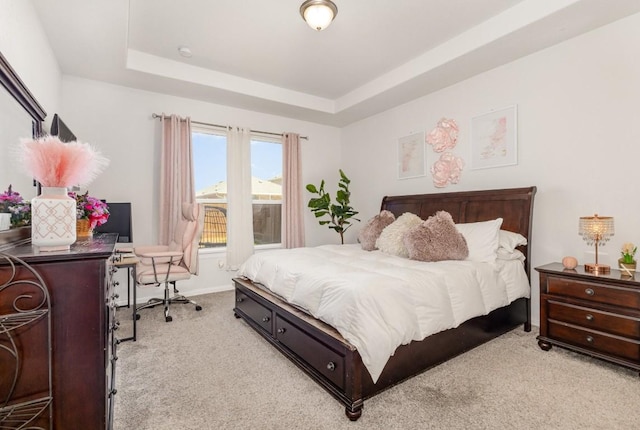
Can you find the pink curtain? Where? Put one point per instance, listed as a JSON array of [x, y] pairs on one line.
[[176, 174], [292, 204]]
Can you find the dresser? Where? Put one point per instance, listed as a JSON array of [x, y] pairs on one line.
[[598, 315], [81, 336]]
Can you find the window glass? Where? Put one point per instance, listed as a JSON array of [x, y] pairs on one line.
[[266, 190], [210, 171]]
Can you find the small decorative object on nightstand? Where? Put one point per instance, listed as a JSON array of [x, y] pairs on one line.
[[569, 262], [595, 314], [596, 230], [627, 263]]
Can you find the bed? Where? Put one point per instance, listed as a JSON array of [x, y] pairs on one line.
[[335, 363]]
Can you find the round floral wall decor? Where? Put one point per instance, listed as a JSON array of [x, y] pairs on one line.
[[444, 136], [447, 169]]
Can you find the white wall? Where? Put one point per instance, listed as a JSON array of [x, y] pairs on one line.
[[578, 136], [579, 140], [118, 121], [26, 47]]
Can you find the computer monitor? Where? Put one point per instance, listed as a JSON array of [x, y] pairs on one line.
[[119, 222]]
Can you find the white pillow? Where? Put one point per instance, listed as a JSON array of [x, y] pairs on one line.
[[510, 240], [504, 254], [390, 240], [482, 239]]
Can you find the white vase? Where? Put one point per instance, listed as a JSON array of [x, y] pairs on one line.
[[5, 221], [53, 219]]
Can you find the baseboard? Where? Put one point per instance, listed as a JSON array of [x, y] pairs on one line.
[[122, 301]]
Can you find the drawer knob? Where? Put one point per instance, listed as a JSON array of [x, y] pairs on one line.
[[589, 291], [239, 299], [331, 366], [589, 317], [590, 339], [116, 283], [265, 319], [281, 330]]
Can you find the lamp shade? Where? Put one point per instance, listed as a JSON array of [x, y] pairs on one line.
[[318, 13], [596, 228]]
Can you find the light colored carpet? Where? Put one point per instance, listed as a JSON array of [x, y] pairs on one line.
[[209, 370]]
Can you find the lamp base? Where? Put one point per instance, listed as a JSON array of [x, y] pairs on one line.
[[597, 269]]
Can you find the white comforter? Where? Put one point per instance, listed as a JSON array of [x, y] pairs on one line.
[[377, 301]]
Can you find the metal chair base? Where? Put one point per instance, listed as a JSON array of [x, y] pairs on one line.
[[166, 302]]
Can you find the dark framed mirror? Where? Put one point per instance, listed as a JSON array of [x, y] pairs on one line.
[[20, 116]]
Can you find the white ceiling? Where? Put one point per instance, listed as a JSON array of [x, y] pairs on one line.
[[260, 54]]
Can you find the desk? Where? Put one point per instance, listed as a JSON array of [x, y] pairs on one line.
[[129, 263]]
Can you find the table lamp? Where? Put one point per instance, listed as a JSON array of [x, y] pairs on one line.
[[596, 230]]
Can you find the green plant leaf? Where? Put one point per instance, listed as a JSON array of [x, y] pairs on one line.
[[338, 214]]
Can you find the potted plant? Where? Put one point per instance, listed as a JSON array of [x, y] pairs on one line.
[[90, 213], [14, 211], [57, 166], [339, 214], [627, 263]]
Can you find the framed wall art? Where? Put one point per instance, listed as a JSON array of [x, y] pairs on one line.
[[411, 162], [494, 139]]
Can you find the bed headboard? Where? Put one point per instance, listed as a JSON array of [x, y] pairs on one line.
[[514, 206]]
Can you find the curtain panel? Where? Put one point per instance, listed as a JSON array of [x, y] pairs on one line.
[[239, 197], [176, 174], [292, 204]]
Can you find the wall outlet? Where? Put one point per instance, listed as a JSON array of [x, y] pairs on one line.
[[221, 264]]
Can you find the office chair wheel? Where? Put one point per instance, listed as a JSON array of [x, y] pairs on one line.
[[137, 317], [198, 307], [168, 318]]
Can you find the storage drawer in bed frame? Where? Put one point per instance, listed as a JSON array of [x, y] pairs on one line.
[[321, 352], [315, 347]]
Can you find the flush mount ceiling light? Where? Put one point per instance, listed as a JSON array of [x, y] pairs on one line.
[[318, 13]]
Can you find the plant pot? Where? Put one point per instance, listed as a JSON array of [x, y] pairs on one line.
[[627, 269], [83, 228], [53, 220]]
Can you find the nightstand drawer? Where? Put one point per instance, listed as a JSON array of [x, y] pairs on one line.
[[601, 293], [595, 341], [622, 325]]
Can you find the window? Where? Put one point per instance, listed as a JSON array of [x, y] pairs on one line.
[[210, 170]]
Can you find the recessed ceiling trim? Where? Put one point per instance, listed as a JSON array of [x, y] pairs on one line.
[[152, 64], [503, 24]]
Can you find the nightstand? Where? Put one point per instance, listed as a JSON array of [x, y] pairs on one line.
[[598, 315]]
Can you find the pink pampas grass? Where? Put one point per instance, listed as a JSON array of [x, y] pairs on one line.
[[57, 164]]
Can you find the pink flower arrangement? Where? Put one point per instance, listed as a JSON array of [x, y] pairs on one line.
[[54, 163], [13, 203], [447, 169], [87, 207], [444, 136]]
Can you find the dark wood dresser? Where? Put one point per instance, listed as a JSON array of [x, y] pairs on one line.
[[82, 340], [598, 315]]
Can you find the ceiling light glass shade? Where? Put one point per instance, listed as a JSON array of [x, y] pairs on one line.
[[318, 13]]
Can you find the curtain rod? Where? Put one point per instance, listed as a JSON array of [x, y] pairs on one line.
[[155, 115]]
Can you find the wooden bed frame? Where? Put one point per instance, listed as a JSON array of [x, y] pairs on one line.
[[336, 365]]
